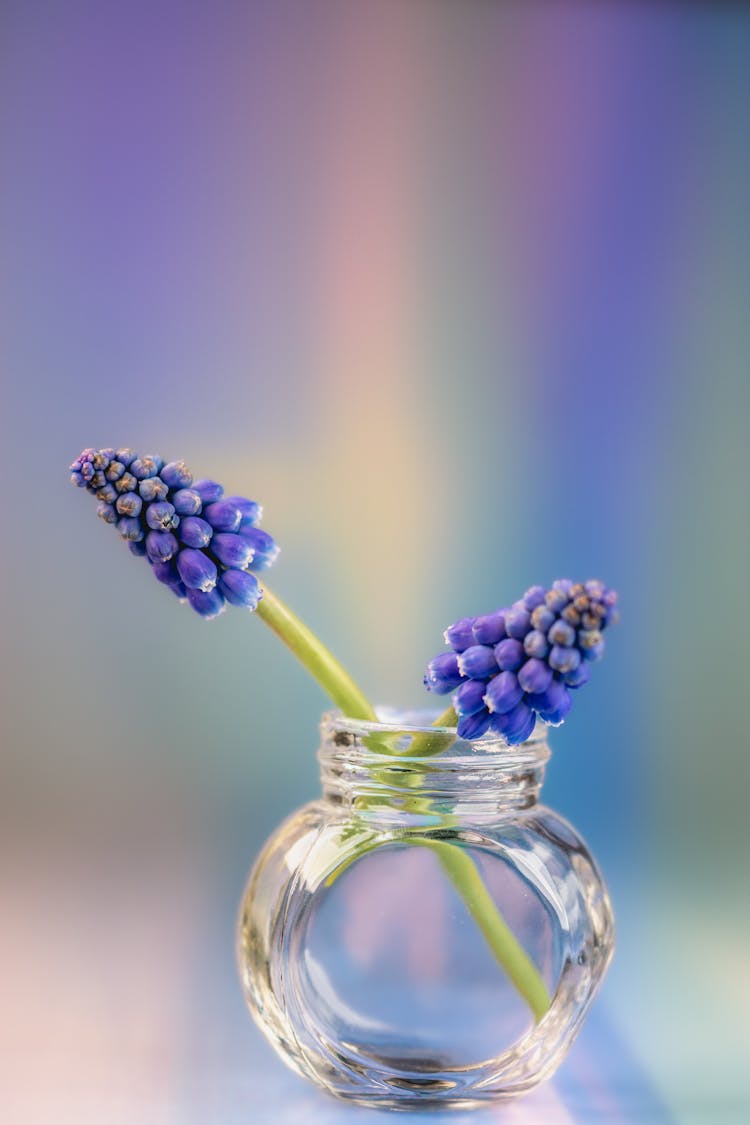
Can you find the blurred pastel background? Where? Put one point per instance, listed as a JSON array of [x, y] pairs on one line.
[[460, 292]]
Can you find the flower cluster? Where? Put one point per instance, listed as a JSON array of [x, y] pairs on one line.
[[199, 543], [510, 667]]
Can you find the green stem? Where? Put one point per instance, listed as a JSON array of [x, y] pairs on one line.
[[460, 868], [467, 881], [319, 661]]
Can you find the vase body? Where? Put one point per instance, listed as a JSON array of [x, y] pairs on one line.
[[427, 933]]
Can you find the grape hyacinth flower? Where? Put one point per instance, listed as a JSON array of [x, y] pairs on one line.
[[199, 543], [508, 668]]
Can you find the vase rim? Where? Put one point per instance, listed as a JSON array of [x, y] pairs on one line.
[[415, 722]]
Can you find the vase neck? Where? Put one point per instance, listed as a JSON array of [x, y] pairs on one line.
[[393, 771]]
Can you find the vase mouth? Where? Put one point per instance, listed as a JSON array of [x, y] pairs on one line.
[[341, 732]]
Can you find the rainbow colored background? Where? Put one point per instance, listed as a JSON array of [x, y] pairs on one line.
[[460, 291]]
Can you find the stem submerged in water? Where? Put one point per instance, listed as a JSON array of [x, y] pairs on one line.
[[458, 865]]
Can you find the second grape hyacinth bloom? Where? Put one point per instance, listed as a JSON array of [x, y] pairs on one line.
[[199, 543], [508, 668]]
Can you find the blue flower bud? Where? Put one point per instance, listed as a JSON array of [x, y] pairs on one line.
[[161, 546], [208, 604], [161, 516], [176, 475], [251, 512], [126, 483], [469, 698], [222, 516], [490, 628], [129, 504], [533, 597], [565, 585], [503, 693], [542, 618], [232, 550], [114, 471], [187, 502], [554, 708], [595, 652], [195, 532], [107, 495], [460, 635], [578, 676], [535, 675], [240, 588], [138, 547], [130, 529], [208, 490], [144, 467], [153, 488], [166, 572], [473, 726], [77, 479], [196, 570], [562, 634], [98, 480], [551, 699], [536, 644], [515, 725], [443, 674], [571, 615], [478, 662], [265, 548], [125, 456], [588, 638], [563, 659], [517, 622], [107, 513], [556, 600], [509, 655]]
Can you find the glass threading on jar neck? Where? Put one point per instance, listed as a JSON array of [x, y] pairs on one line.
[[370, 768]]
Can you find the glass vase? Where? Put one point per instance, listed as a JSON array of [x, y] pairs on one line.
[[426, 933]]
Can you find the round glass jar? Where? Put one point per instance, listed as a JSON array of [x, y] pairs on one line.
[[426, 933]]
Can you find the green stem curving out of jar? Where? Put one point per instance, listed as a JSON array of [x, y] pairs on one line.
[[458, 866]]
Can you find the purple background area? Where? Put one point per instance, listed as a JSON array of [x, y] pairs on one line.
[[460, 293]]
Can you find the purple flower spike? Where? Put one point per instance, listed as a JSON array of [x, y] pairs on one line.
[[190, 536], [542, 647]]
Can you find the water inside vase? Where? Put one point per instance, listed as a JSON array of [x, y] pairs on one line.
[[391, 965]]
